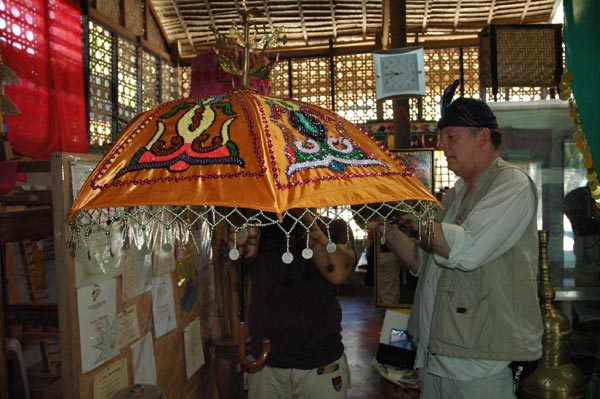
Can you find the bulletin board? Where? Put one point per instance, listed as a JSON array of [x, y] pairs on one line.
[[115, 367]]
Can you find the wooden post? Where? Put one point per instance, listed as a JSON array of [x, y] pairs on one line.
[[398, 40]]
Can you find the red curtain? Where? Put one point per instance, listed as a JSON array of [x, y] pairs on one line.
[[41, 42]]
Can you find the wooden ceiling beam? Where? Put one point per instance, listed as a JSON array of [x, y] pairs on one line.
[[425, 16], [385, 22], [301, 12], [364, 18], [267, 13], [490, 17], [161, 27], [183, 24], [333, 19], [457, 14], [524, 12], [313, 23]]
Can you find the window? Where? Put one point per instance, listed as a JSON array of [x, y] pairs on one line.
[[100, 94], [143, 81]]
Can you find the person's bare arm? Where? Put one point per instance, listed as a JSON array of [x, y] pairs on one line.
[[335, 266], [430, 238], [247, 241], [405, 241], [401, 244]]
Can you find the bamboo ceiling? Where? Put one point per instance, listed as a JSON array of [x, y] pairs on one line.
[[188, 24]]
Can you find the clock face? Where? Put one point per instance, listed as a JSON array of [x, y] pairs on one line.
[[400, 73]]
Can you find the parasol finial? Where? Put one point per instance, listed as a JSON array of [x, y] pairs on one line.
[[229, 46]]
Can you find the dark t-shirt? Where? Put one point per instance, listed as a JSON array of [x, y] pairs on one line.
[[293, 304]]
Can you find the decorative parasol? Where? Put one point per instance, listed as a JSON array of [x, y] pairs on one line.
[[211, 159]]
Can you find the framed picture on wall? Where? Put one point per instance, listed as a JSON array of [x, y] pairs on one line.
[[394, 285], [420, 161], [382, 130]]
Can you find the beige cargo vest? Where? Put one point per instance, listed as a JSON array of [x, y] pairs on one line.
[[492, 312]]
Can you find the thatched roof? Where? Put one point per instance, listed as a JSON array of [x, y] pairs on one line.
[[188, 24]]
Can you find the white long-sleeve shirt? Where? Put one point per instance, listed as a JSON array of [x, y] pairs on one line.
[[491, 228]]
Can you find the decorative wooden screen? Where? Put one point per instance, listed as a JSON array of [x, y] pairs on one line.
[[520, 56], [113, 107], [150, 81], [185, 80], [168, 80], [101, 99], [354, 89], [311, 81], [128, 80], [280, 79]]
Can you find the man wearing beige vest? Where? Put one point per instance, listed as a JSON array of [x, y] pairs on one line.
[[476, 308]]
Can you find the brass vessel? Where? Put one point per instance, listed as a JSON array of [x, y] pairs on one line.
[[555, 376]]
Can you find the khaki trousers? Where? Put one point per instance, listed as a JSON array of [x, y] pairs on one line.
[[498, 386], [327, 382]]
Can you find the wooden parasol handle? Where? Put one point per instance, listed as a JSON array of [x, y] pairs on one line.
[[247, 363]]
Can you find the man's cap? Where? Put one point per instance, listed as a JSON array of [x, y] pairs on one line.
[[467, 112]]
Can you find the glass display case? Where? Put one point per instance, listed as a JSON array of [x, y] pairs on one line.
[[537, 136]]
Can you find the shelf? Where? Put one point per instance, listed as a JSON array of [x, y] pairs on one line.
[[33, 223], [32, 313], [577, 294], [29, 197], [33, 166]]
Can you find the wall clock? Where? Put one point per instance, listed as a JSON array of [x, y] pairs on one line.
[[399, 73]]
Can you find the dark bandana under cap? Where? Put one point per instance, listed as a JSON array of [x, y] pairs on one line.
[[464, 111]]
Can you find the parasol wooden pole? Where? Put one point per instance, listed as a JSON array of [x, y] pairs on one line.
[[247, 363], [246, 60]]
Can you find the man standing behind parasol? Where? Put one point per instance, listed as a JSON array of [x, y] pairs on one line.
[[295, 306], [476, 308]]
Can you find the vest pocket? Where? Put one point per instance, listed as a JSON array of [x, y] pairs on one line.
[[460, 315]]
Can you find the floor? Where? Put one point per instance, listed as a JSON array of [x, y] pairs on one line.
[[361, 323]]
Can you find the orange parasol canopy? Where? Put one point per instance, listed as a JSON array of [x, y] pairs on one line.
[[245, 150]]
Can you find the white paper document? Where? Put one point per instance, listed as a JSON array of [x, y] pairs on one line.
[[194, 347], [98, 258], [143, 362], [97, 309], [110, 380], [128, 328], [163, 305]]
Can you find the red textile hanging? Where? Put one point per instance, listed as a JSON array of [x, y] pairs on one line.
[[41, 41], [209, 80]]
